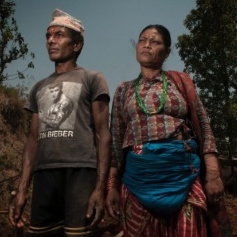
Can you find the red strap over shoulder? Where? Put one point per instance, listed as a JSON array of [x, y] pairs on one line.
[[184, 84], [187, 88]]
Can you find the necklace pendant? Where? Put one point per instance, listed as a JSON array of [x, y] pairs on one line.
[[162, 99], [153, 112]]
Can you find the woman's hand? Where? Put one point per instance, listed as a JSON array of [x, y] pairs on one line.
[[214, 186], [112, 203]]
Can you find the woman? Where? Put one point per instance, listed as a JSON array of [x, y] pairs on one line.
[[162, 147]]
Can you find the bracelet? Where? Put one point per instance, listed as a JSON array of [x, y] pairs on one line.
[[213, 172], [211, 167], [112, 182], [215, 175], [112, 176], [206, 181]]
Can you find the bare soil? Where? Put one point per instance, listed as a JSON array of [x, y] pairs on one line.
[[109, 227]]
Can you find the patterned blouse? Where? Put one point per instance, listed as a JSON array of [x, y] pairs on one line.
[[131, 126]]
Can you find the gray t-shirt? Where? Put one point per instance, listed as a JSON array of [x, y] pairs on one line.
[[66, 128]]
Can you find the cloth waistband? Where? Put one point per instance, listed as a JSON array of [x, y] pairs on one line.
[[138, 148]]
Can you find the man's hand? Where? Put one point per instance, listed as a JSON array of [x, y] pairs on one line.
[[96, 207], [16, 207]]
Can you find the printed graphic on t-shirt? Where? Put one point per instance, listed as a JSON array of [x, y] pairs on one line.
[[57, 109]]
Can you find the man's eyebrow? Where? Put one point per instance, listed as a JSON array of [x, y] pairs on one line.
[[54, 32]]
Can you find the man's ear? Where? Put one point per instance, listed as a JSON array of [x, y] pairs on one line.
[[77, 46]]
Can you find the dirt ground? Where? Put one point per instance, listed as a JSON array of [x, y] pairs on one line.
[[231, 203], [109, 227]]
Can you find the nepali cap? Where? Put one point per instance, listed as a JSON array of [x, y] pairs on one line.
[[61, 18]]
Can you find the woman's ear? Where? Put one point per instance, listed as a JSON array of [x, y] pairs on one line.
[[168, 52]]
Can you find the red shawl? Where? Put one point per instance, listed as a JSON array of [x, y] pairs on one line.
[[219, 225]]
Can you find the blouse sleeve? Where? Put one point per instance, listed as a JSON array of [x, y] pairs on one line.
[[206, 134]]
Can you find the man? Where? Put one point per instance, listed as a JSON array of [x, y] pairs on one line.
[[68, 147]]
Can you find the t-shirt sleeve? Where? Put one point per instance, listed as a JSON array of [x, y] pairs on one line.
[[99, 86], [31, 104]]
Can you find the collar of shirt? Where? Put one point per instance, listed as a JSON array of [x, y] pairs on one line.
[[152, 80]]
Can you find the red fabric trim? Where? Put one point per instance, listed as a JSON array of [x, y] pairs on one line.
[[188, 221]]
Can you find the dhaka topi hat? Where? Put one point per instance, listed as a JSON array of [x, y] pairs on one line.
[[61, 18]]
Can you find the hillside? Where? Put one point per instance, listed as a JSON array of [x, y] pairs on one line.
[[13, 129], [14, 123]]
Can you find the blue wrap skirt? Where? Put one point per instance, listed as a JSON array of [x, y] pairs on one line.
[[162, 174]]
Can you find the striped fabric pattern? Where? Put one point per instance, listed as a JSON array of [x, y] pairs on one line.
[[189, 221]]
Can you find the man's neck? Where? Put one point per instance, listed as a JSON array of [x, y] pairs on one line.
[[65, 67]]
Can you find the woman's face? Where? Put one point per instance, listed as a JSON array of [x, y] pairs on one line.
[[151, 50]]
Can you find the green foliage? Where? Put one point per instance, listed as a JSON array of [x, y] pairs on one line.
[[12, 44], [209, 53]]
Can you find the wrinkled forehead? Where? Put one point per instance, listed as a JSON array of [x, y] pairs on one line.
[[54, 29], [150, 33]]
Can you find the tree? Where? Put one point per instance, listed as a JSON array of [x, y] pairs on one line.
[[12, 44], [209, 53]]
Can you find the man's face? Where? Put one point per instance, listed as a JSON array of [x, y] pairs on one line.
[[59, 44], [55, 92]]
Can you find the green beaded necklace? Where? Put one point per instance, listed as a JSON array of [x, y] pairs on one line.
[[162, 99]]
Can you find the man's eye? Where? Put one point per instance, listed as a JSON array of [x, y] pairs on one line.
[[59, 35]]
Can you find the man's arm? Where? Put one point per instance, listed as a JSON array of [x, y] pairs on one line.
[[100, 110], [17, 205]]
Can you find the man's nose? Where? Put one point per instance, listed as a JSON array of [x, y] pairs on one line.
[[51, 39]]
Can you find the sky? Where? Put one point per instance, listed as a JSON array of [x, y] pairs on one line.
[[110, 28]]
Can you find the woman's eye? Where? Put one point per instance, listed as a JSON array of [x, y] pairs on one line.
[[155, 42]]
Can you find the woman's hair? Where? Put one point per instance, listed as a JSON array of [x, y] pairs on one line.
[[161, 30], [77, 37]]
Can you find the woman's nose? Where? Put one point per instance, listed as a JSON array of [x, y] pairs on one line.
[[147, 44]]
